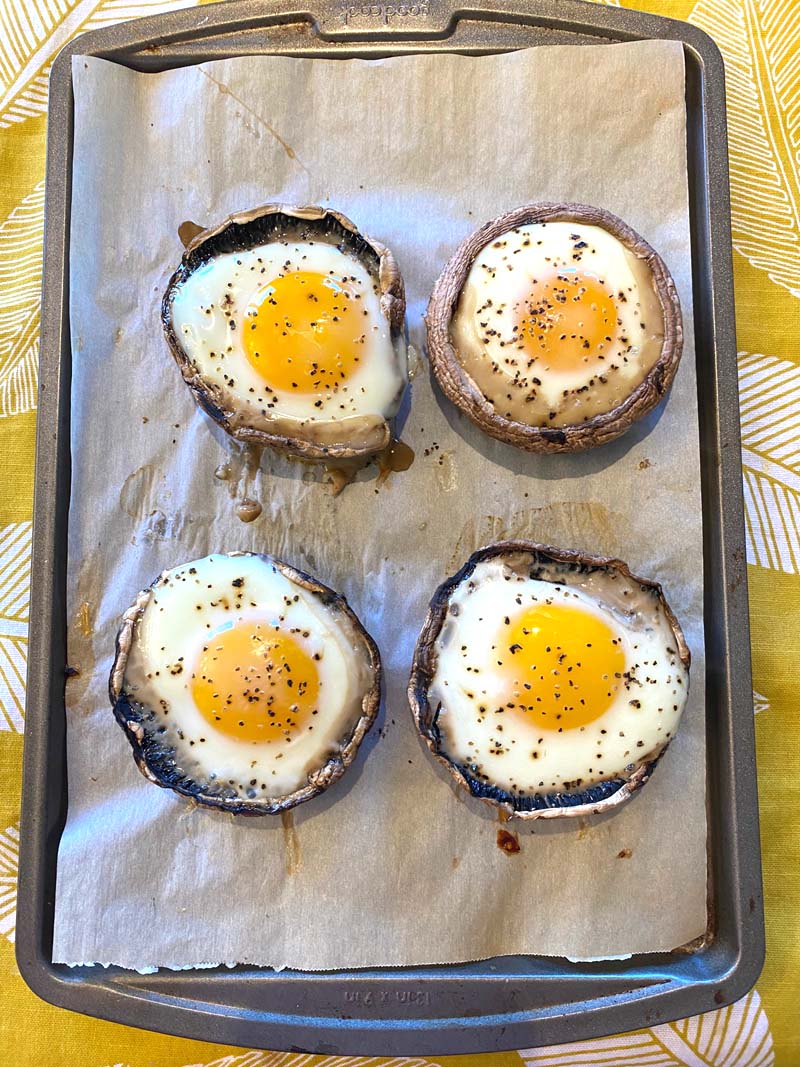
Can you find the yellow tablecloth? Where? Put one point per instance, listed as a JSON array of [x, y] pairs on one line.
[[760, 40]]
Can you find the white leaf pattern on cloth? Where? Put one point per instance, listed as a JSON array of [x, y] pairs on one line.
[[9, 864], [737, 1036], [15, 576], [21, 236], [32, 32], [758, 39], [760, 703], [769, 401]]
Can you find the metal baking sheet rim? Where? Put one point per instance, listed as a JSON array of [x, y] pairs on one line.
[[496, 1005]]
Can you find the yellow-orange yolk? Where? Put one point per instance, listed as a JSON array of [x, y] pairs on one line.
[[255, 683], [561, 666], [304, 332], [568, 320]]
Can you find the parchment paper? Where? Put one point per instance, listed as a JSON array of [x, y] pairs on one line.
[[392, 866]]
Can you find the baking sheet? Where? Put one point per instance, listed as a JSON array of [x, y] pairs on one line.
[[392, 866]]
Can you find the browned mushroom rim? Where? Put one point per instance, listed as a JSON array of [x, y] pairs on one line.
[[312, 438], [272, 223], [535, 561], [156, 759], [462, 390]]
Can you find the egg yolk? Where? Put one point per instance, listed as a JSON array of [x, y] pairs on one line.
[[568, 320], [304, 332], [561, 666], [253, 682]]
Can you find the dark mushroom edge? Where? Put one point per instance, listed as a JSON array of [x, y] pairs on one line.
[[262, 225], [461, 390], [591, 800], [156, 761]]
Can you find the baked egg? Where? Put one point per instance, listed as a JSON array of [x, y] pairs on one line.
[[288, 326], [555, 327], [549, 682], [244, 683]]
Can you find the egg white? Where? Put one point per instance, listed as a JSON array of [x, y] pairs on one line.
[[191, 602], [502, 274], [626, 735], [208, 317]]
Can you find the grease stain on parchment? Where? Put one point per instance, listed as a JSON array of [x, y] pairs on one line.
[[187, 231], [294, 860], [415, 362], [226, 90], [159, 526], [508, 842], [589, 527], [136, 491], [140, 499], [342, 473], [80, 636], [395, 458], [445, 470], [240, 475]]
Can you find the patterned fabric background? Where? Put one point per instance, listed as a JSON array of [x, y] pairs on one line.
[[760, 40]]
